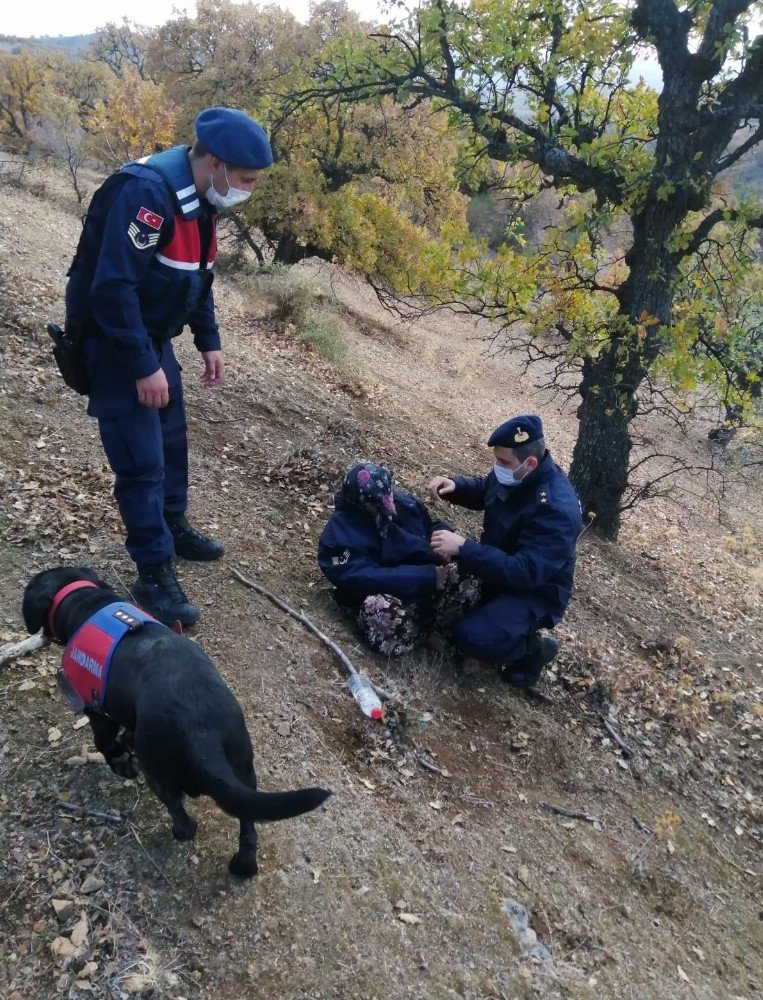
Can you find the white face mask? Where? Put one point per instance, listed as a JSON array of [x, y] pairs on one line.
[[234, 196], [508, 477]]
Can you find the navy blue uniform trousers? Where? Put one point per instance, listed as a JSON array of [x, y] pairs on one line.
[[147, 449], [498, 632]]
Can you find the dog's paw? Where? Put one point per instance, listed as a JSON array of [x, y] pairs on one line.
[[125, 765], [243, 865], [186, 830]]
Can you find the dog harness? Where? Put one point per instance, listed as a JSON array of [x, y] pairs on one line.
[[84, 672]]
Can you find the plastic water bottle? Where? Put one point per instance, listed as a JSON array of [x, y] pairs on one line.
[[365, 696]]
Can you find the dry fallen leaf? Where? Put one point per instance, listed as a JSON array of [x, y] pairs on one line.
[[137, 983], [62, 947], [409, 918], [682, 974], [435, 805], [54, 735], [79, 933], [457, 820]]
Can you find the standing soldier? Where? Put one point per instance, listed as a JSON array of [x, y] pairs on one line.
[[142, 271]]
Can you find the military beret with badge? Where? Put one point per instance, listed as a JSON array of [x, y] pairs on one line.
[[234, 137], [516, 432]]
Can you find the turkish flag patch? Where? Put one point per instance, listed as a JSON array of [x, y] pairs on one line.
[[150, 218]]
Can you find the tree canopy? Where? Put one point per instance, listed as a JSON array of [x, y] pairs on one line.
[[647, 243]]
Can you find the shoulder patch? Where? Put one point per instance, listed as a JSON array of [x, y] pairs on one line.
[[150, 218], [340, 560], [140, 239]]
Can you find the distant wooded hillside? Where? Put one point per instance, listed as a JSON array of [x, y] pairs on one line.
[[15, 45]]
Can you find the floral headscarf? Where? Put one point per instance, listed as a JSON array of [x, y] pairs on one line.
[[369, 483]]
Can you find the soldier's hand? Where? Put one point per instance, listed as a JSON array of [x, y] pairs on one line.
[[153, 390], [446, 543], [213, 368], [440, 487]]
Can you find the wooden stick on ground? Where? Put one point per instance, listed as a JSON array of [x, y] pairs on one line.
[[559, 811], [627, 752], [15, 649], [84, 811], [300, 617], [427, 764]]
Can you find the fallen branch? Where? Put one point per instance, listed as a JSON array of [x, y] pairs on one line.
[[15, 649], [427, 765], [300, 617], [215, 420], [153, 862], [559, 811], [627, 752], [84, 811]]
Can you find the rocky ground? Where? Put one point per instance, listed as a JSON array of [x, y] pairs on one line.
[[409, 882]]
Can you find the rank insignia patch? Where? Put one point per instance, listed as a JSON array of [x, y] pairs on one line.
[[142, 240]]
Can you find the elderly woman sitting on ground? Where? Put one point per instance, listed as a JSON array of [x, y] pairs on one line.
[[376, 551]]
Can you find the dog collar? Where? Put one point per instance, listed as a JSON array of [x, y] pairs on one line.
[[60, 595]]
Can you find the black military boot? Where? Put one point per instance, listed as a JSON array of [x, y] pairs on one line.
[[157, 591], [525, 672], [190, 543]]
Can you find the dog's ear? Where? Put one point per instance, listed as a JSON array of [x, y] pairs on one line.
[[42, 588], [38, 597]]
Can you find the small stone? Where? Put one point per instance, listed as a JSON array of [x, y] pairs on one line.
[[91, 884], [75, 761], [63, 907]]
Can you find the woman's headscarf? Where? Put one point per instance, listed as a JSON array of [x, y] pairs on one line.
[[370, 483]]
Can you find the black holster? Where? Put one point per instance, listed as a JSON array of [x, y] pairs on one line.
[[69, 352]]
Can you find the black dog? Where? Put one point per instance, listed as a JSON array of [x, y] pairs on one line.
[[180, 720]]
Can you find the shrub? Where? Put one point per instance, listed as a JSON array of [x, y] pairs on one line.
[[309, 304]]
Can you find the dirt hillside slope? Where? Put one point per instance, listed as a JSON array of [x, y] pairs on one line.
[[399, 885]]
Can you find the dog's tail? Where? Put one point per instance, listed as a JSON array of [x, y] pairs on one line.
[[236, 798]]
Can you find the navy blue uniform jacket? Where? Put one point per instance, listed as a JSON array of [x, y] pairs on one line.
[[359, 562], [143, 267], [528, 538]]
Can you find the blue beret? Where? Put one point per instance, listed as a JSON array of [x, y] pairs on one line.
[[235, 138], [516, 432]]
